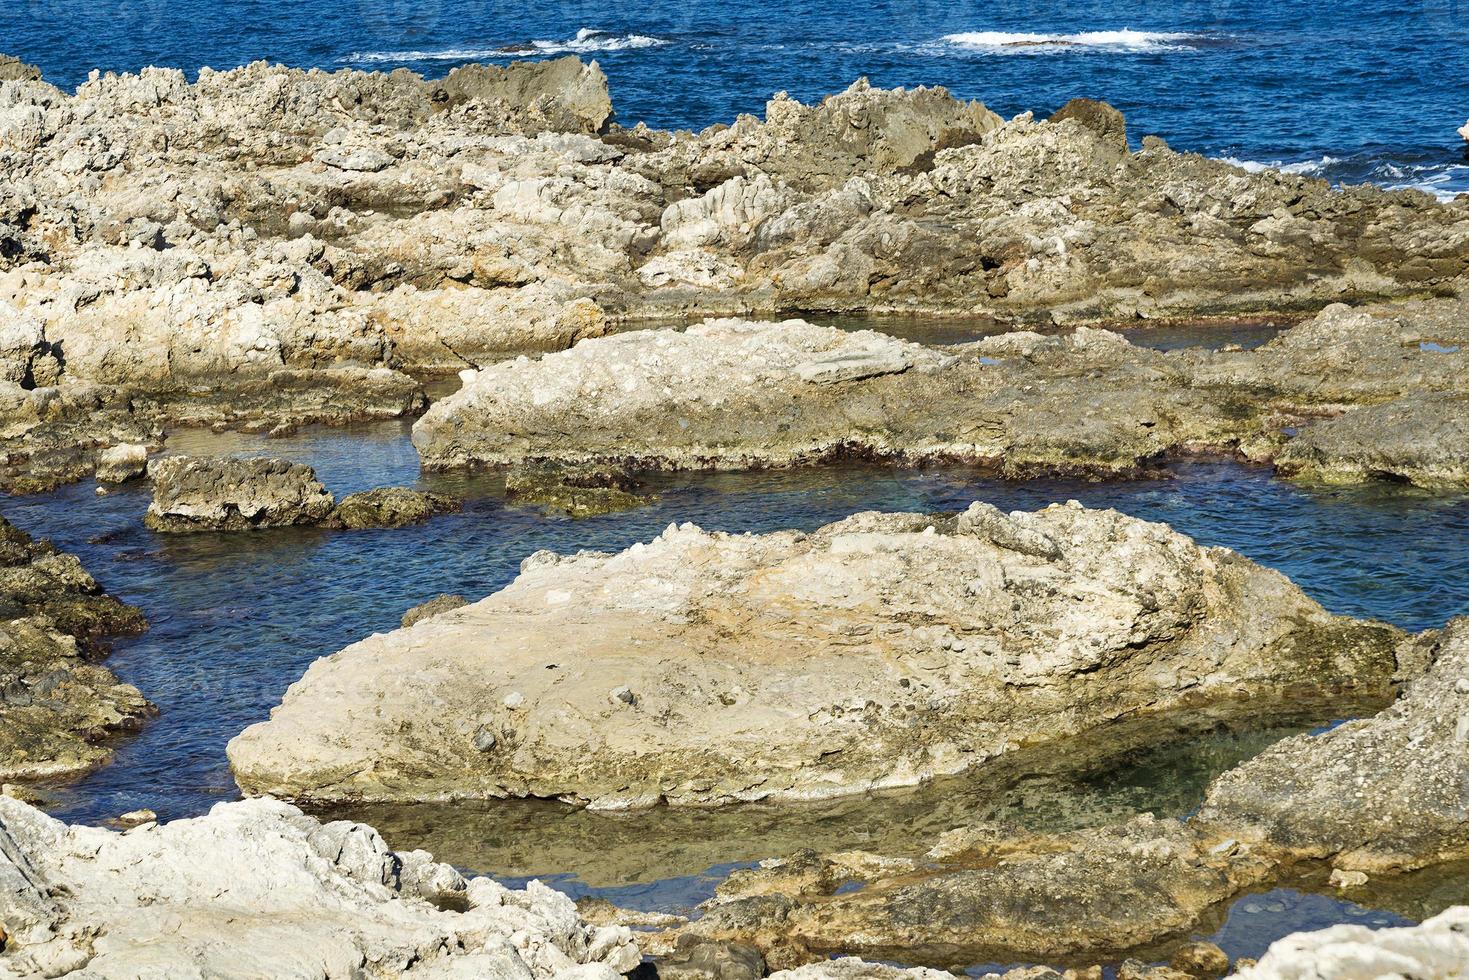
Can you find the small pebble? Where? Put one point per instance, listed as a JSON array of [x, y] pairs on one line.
[[514, 700]]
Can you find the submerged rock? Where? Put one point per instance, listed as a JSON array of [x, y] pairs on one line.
[[577, 491], [196, 493], [256, 888], [884, 650], [988, 894], [389, 507], [730, 394], [57, 705], [435, 606]]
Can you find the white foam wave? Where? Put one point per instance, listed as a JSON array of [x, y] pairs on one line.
[[1444, 183], [1305, 168], [589, 40], [1009, 42], [586, 41]]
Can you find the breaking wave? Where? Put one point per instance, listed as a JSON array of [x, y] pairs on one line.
[[586, 41], [1008, 42]]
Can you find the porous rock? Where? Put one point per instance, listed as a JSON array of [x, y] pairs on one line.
[[256, 888], [199, 493], [57, 704], [389, 507], [882, 650]]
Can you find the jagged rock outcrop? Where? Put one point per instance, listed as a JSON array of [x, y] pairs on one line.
[[197, 493], [220, 493], [729, 394], [57, 704], [267, 246], [883, 650], [12, 69], [256, 888]]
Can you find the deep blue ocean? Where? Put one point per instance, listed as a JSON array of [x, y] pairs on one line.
[[1372, 90]]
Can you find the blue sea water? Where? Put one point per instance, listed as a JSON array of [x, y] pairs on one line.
[[1372, 90]]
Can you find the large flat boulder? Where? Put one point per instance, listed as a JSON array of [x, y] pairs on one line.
[[258, 889], [732, 394], [703, 669]]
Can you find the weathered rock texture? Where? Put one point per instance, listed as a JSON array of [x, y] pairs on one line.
[[1372, 797], [56, 703], [269, 246], [197, 493], [730, 393], [1386, 793], [257, 889], [702, 669], [577, 491], [389, 507], [1436, 949], [220, 493]]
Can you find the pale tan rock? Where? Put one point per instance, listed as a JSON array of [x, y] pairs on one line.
[[256, 888], [880, 651]]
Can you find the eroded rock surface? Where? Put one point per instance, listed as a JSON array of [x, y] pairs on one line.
[[389, 507], [577, 491], [1437, 949], [257, 889], [731, 393], [200, 493], [1381, 794], [702, 669], [268, 246], [57, 704]]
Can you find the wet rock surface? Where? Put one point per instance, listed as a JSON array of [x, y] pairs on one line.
[[577, 491], [1376, 795], [256, 888], [192, 494], [435, 606], [389, 507], [57, 704], [885, 650], [732, 394]]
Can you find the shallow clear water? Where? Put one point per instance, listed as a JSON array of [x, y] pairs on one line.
[[1371, 90], [235, 619]]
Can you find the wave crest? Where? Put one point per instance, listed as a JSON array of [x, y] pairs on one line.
[[587, 41], [1010, 42]]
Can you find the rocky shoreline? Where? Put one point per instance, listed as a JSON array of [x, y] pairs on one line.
[[265, 248]]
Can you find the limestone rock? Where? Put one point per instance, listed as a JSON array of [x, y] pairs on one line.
[[193, 493], [1099, 117], [389, 507], [56, 702], [13, 69], [1417, 439], [433, 607], [883, 650], [119, 464], [256, 888], [702, 959], [1403, 770], [733, 394], [1438, 948]]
